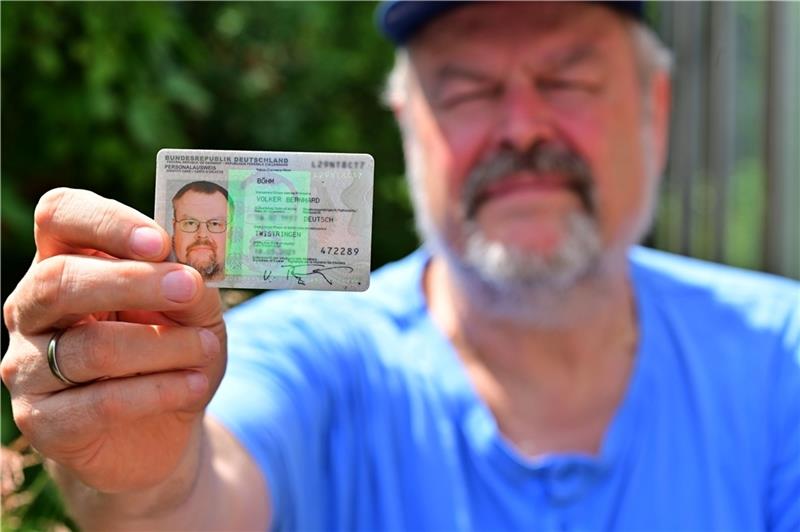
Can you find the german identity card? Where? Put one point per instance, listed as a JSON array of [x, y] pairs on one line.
[[247, 219]]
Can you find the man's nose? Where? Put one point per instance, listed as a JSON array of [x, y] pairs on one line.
[[526, 118], [202, 230]]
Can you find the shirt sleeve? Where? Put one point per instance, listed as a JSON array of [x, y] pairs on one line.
[[783, 502], [276, 398]]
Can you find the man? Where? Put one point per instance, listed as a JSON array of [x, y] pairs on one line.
[[199, 225], [527, 369]]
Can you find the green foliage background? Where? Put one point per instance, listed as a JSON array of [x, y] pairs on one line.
[[91, 91]]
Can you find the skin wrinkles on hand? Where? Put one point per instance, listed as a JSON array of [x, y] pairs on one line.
[[146, 409]]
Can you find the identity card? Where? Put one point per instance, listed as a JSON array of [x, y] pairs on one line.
[[260, 219]]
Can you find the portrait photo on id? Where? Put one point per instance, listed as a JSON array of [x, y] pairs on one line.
[[200, 227], [411, 266]]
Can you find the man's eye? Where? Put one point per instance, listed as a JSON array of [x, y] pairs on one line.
[[561, 84], [216, 225], [189, 226]]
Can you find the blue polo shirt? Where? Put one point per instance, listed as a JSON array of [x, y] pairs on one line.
[[361, 416]]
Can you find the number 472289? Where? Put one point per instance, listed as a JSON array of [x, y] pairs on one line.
[[334, 250]]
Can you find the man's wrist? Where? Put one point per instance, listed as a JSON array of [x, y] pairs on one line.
[[95, 509]]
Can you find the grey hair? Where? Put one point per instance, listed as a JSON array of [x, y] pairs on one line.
[[652, 56]]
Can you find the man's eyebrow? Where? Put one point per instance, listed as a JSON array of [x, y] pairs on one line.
[[449, 72], [579, 54]]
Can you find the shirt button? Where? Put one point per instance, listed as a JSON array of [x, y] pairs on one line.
[[565, 483]]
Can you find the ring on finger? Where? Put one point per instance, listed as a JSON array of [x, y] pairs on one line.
[[52, 360]]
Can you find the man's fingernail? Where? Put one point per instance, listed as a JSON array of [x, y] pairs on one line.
[[196, 382], [147, 242], [209, 342], [179, 286]]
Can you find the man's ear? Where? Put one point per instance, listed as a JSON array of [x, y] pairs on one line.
[[396, 92], [398, 110], [660, 104]]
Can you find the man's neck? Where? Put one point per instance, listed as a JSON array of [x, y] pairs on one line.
[[557, 384]]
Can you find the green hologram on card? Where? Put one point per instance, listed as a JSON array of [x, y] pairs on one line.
[[269, 228], [237, 192]]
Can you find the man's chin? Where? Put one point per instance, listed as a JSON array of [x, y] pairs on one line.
[[543, 245], [209, 270], [546, 256], [540, 234]]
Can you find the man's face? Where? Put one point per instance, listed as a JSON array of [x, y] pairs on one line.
[[529, 122], [204, 250]]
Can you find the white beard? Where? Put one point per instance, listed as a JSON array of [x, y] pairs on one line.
[[504, 281], [520, 285], [509, 269]]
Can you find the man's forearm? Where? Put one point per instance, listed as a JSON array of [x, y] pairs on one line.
[[209, 490]]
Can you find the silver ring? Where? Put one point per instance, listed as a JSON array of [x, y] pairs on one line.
[[52, 361]]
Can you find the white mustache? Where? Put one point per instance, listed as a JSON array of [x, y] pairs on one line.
[[541, 159]]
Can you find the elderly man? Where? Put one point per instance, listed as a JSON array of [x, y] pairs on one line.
[[527, 369]]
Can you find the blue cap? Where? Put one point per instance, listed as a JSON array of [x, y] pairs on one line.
[[399, 20]]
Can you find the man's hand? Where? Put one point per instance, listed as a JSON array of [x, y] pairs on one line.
[[145, 336]]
